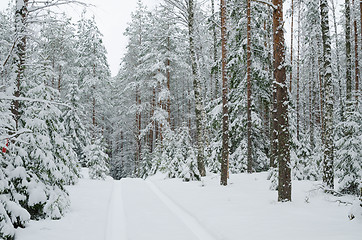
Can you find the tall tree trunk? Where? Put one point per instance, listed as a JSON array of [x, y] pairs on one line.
[[356, 62], [360, 11], [328, 145], [216, 72], [337, 59], [21, 15], [153, 106], [284, 185], [122, 153], [248, 77], [199, 108], [311, 109], [168, 76], [291, 48], [348, 52], [298, 72], [225, 90], [138, 132], [321, 96], [60, 78]]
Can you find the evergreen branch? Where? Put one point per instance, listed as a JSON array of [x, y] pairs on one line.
[[5, 97], [17, 134], [266, 2]]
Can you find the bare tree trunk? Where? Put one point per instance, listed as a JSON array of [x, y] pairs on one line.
[[348, 52], [360, 11], [225, 90], [168, 76], [138, 132], [199, 108], [60, 78], [284, 185], [328, 146], [21, 15], [291, 47], [311, 109], [153, 106], [248, 73], [321, 97], [298, 72], [356, 62], [53, 78], [122, 153], [216, 74], [337, 59]]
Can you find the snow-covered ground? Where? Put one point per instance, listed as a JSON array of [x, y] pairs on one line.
[[171, 209]]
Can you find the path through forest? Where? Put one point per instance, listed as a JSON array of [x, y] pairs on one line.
[[142, 208], [169, 209]]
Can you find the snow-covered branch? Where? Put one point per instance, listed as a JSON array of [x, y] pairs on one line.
[[270, 4], [6, 97], [17, 134]]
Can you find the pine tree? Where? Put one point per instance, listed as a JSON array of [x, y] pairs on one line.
[[284, 186], [328, 148], [225, 90]]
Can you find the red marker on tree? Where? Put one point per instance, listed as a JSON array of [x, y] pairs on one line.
[[7, 145]]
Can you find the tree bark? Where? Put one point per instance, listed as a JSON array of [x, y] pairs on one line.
[[337, 59], [199, 108], [348, 52], [168, 76], [215, 75], [298, 72], [284, 185], [153, 106], [248, 77], [291, 48], [328, 145], [21, 15], [356, 62], [225, 90]]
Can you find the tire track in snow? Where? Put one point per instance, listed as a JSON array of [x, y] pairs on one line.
[[116, 221], [190, 221]]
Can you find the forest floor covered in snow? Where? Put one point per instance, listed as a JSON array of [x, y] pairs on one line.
[[169, 209]]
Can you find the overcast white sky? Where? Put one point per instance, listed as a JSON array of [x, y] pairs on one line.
[[112, 17]]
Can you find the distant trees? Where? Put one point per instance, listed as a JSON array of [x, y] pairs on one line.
[[294, 132]]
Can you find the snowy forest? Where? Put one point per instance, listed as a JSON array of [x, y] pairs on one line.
[[205, 88]]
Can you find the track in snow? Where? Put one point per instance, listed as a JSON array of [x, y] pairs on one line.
[[139, 210]]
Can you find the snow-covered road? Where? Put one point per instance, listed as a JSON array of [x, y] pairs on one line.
[[159, 209]]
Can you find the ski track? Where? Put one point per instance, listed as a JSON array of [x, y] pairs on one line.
[[116, 221], [188, 219], [148, 217]]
